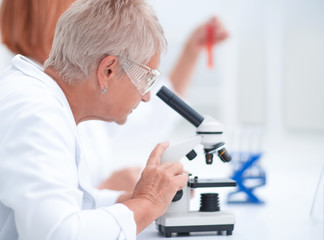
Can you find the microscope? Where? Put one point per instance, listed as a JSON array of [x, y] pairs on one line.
[[178, 218]]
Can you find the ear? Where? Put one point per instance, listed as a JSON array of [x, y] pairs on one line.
[[107, 70]]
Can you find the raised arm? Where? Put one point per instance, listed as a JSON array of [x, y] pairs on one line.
[[182, 72]]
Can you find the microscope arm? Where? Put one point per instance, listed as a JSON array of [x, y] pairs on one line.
[[176, 152]]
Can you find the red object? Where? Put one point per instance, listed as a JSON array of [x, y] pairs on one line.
[[209, 45]]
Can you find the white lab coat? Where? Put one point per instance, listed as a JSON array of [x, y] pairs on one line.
[[45, 191], [109, 147]]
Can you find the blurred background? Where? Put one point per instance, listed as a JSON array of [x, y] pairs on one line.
[[269, 72]]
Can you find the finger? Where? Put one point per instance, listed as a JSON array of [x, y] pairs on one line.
[[155, 156], [223, 36], [213, 21], [221, 32], [218, 31], [172, 168], [220, 36], [216, 25], [180, 181]]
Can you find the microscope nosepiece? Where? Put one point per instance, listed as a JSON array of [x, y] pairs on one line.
[[221, 151]]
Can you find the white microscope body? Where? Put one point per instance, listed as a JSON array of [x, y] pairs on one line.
[[179, 218]]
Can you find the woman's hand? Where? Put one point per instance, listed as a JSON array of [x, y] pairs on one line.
[[182, 72], [199, 38], [156, 188]]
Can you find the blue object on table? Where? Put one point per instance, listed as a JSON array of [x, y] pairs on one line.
[[248, 176]]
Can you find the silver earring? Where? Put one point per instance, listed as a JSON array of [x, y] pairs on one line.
[[104, 90]]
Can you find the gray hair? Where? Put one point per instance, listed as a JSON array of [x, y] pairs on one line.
[[93, 29]]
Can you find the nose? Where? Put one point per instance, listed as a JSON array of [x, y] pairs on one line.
[[146, 97]]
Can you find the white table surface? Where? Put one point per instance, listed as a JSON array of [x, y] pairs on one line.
[[293, 166]]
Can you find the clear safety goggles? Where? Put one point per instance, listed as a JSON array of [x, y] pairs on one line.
[[141, 76]]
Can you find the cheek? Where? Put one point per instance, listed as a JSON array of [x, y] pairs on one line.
[[125, 98], [127, 103]]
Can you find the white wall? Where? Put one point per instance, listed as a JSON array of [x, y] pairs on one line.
[[179, 18], [270, 72], [304, 64]]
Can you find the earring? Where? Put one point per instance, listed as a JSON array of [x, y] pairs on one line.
[[104, 90]]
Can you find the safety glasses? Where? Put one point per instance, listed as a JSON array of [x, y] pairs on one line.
[[141, 76]]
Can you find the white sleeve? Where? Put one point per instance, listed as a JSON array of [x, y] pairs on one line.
[[114, 222], [105, 197], [39, 177]]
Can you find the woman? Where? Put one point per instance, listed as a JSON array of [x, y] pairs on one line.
[[45, 191], [27, 28]]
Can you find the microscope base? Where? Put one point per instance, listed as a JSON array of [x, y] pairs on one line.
[[181, 230], [196, 222]]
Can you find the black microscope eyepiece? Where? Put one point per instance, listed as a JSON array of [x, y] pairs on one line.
[[180, 106]]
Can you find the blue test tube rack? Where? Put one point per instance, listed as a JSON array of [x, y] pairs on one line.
[[248, 176]]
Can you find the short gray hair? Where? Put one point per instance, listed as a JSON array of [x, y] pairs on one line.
[[93, 29]]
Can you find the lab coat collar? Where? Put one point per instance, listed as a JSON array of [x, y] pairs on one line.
[[36, 71], [20, 61]]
